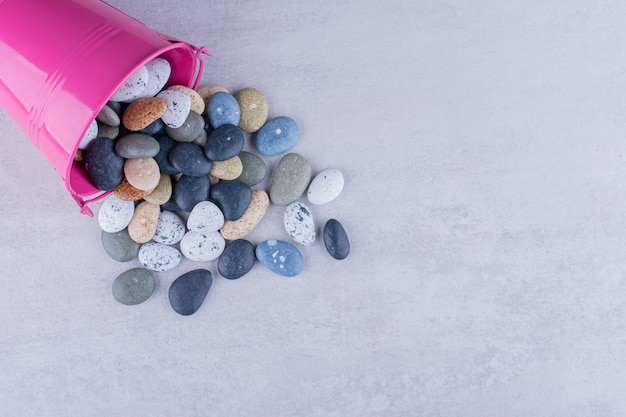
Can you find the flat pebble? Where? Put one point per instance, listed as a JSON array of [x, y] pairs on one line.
[[178, 107], [205, 217], [162, 158], [142, 112], [132, 87], [189, 159], [325, 187], [336, 239], [143, 225], [119, 245], [223, 109], [197, 102], [236, 229], [280, 257], [106, 131], [170, 228], [126, 191], [253, 107], [90, 134], [105, 168], [290, 180], [159, 257], [232, 197], [277, 136], [137, 145], [159, 71], [192, 127], [299, 223], [115, 214], [253, 168], [202, 247], [133, 286], [237, 259], [142, 173], [188, 291], [189, 191], [229, 169], [162, 192], [108, 116], [224, 142]]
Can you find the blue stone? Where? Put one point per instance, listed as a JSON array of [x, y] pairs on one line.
[[155, 128], [189, 191], [224, 142], [162, 158], [207, 124], [232, 197], [105, 168], [336, 239], [188, 291], [277, 136], [237, 259], [189, 159], [223, 109], [280, 257]]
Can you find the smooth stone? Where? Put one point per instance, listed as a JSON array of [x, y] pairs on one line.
[[201, 139], [202, 247], [142, 173], [191, 128], [325, 187], [159, 71], [159, 257], [277, 136], [206, 91], [232, 197], [170, 228], [207, 124], [90, 134], [236, 260], [229, 169], [253, 169], [142, 112], [280, 257], [156, 128], [189, 159], [126, 191], [197, 102], [224, 142], [105, 168], [143, 225], [336, 239], [189, 191], [108, 116], [116, 106], [205, 217], [132, 87], [171, 204], [162, 192], [119, 245], [115, 214], [106, 131], [178, 107], [290, 180], [299, 224], [237, 229], [188, 291], [137, 145], [165, 146], [253, 107], [223, 109], [133, 286]]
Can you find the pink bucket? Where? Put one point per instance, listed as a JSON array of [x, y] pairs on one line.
[[61, 62]]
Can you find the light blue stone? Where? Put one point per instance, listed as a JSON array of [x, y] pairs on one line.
[[223, 109], [277, 136], [280, 257]]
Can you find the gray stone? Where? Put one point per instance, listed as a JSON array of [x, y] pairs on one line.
[[136, 146], [106, 131], [108, 116], [254, 168], [290, 180], [191, 128], [119, 245], [133, 286]]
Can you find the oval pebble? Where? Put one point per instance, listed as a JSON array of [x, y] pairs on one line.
[[108, 116], [115, 214], [229, 169], [132, 87], [253, 168], [142, 112], [290, 180], [163, 191], [189, 191], [325, 187], [142, 173], [162, 158], [280, 257], [202, 247], [232, 197], [126, 191], [254, 109], [237, 229], [205, 217], [119, 246], [105, 168], [137, 145], [188, 291], [236, 260], [224, 142], [336, 239], [143, 225], [133, 286], [159, 71], [192, 127], [277, 136], [189, 159], [299, 224], [90, 134], [223, 109], [178, 107], [197, 102], [159, 257], [170, 228]]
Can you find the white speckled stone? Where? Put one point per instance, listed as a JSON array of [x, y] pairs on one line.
[[115, 214], [133, 87], [178, 107], [159, 257], [325, 187], [202, 247], [205, 217], [90, 134], [299, 224], [159, 70], [170, 228]]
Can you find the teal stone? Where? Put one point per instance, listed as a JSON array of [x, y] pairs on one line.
[[280, 257], [119, 245], [133, 286]]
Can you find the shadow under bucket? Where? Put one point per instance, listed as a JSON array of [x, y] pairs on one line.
[[61, 62]]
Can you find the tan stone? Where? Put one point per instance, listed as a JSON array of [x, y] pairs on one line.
[[237, 229], [213, 180], [197, 102], [254, 109], [229, 169], [143, 111], [125, 191], [143, 225], [206, 91], [142, 173], [162, 192]]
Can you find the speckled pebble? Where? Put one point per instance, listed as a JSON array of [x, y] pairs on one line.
[[178, 107], [253, 169], [290, 180], [202, 247], [229, 169], [137, 145], [280, 257], [197, 102], [254, 109], [223, 109], [236, 229], [163, 191], [336, 239], [299, 223], [90, 134], [108, 116], [188, 291], [325, 187], [205, 217], [119, 246], [170, 228], [142, 226], [159, 71], [115, 214], [133, 286], [277, 136], [237, 259], [132, 87], [142, 112], [105, 168], [142, 173], [159, 257]]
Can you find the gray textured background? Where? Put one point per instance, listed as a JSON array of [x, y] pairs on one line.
[[482, 144]]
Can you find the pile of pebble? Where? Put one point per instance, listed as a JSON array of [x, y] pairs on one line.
[[166, 152]]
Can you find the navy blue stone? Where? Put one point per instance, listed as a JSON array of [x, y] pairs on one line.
[[223, 109], [237, 259], [189, 159], [162, 158], [224, 142], [156, 128], [336, 239], [189, 191], [277, 136], [188, 291], [232, 197], [171, 204], [280, 257], [207, 124], [105, 168]]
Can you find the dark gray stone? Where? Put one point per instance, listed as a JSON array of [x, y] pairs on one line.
[[189, 159], [237, 259], [189, 191], [232, 197], [162, 158], [224, 142], [188, 292], [105, 168], [336, 239]]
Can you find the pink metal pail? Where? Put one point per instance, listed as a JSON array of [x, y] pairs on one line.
[[60, 62]]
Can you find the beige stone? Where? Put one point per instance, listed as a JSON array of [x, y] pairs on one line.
[[237, 229], [206, 91], [229, 169], [143, 111], [125, 191], [163, 191], [143, 225], [254, 109], [142, 173], [197, 102]]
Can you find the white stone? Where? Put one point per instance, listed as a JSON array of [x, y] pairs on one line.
[[178, 107], [90, 134], [205, 217], [299, 224], [158, 257], [170, 228], [115, 214], [159, 71], [325, 187], [132, 87], [202, 247]]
